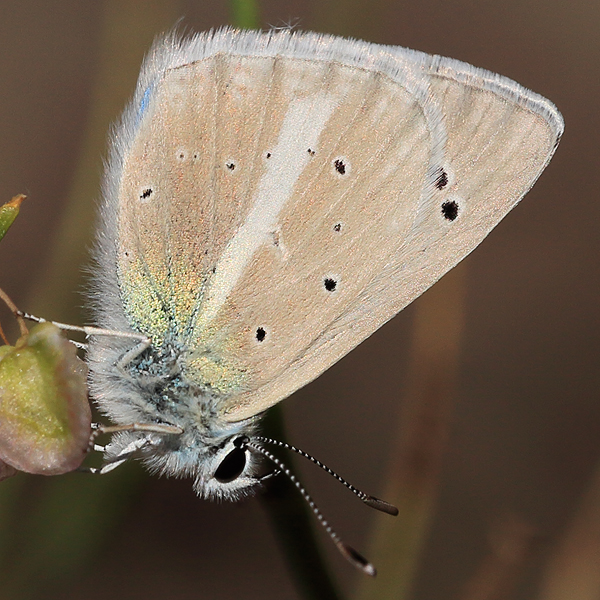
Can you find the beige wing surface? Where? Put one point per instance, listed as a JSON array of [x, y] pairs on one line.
[[275, 211]]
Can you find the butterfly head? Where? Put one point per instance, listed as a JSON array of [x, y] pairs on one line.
[[230, 471], [223, 470]]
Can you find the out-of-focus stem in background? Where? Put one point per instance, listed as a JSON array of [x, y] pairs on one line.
[[573, 570], [413, 475]]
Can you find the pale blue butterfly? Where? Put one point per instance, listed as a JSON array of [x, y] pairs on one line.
[[271, 199]]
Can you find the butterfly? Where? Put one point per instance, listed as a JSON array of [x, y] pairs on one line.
[[270, 200]]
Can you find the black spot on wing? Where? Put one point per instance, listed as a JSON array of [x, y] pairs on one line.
[[330, 284], [340, 166], [450, 210], [441, 180]]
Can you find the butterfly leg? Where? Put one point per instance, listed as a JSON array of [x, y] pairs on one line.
[[128, 451], [89, 331], [163, 428], [122, 457]]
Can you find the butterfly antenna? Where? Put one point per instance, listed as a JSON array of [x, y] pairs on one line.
[[349, 553], [371, 501]]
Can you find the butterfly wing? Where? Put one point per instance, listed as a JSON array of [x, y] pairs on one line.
[[281, 196]]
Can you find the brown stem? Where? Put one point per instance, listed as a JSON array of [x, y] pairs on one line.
[[15, 311]]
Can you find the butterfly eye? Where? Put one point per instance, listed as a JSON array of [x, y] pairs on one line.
[[232, 466]]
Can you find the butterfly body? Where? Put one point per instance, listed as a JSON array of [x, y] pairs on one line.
[[152, 388], [270, 201]]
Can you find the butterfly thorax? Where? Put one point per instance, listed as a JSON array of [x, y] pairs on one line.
[[152, 388]]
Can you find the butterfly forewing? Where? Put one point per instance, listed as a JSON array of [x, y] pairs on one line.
[[275, 211]]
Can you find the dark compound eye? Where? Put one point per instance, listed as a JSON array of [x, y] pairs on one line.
[[232, 466], [261, 334]]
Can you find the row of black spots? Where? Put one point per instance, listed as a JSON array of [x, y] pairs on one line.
[[450, 208], [182, 155], [329, 283], [310, 151], [230, 164], [341, 165]]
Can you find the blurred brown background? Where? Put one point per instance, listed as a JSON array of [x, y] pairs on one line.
[[524, 434]]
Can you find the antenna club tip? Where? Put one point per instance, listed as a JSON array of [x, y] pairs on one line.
[[381, 505], [357, 559]]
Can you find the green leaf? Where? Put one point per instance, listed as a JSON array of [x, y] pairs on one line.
[[8, 213]]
